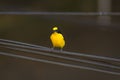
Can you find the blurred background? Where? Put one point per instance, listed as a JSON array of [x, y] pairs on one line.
[[98, 35]]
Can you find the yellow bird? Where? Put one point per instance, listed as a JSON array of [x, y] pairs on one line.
[[57, 38]]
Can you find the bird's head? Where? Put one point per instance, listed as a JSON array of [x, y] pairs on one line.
[[55, 28]]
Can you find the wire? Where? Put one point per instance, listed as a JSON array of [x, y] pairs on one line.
[[35, 49], [20, 44], [61, 13], [92, 56], [67, 58], [58, 63], [17, 42], [37, 52]]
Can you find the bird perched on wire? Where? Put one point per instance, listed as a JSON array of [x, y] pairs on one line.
[[57, 38]]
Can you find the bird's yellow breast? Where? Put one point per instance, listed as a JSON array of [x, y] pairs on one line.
[[57, 40]]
